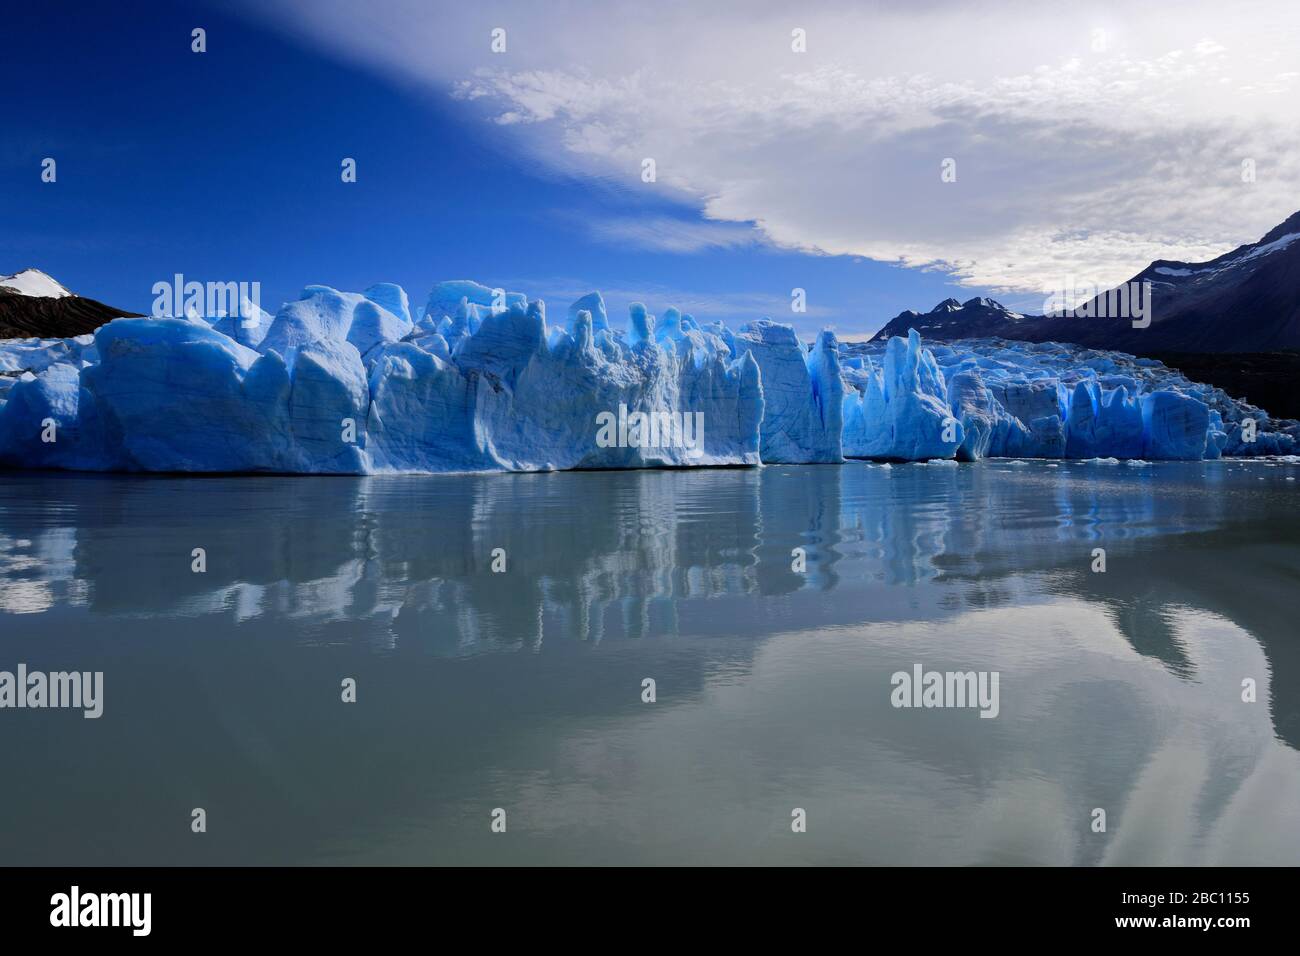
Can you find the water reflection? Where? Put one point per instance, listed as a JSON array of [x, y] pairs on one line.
[[1121, 689], [345, 547]]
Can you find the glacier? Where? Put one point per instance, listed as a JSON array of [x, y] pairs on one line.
[[477, 379]]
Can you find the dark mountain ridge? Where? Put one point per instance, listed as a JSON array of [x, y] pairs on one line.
[[33, 305], [1244, 301]]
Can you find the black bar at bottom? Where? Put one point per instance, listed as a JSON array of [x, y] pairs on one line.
[[333, 905]]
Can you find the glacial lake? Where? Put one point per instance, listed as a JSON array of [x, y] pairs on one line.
[[523, 690]]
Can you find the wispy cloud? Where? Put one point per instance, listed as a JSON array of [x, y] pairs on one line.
[[1085, 141], [666, 234]]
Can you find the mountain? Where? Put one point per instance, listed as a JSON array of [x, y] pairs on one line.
[[33, 305], [1232, 322], [1247, 300], [33, 282], [974, 319]]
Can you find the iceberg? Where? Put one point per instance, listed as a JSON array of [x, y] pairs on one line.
[[479, 380]]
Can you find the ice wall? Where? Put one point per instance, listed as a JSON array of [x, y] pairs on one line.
[[349, 383]]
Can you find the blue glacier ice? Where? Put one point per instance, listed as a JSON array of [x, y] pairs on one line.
[[478, 380], [1051, 400], [900, 410], [802, 393]]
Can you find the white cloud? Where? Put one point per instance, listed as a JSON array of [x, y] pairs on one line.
[[666, 234], [1087, 140]]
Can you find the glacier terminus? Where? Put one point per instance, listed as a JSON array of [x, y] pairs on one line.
[[480, 380]]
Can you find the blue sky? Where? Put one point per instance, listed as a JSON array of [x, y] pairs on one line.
[[514, 170]]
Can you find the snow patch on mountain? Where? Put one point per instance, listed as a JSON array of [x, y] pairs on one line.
[[34, 282]]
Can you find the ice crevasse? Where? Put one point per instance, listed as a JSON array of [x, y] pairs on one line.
[[479, 380]]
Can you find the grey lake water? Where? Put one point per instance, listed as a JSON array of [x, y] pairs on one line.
[[522, 690]]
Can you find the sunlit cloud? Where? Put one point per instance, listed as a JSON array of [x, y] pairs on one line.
[[1084, 141]]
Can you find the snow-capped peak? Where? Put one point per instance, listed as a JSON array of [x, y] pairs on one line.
[[35, 283], [979, 302]]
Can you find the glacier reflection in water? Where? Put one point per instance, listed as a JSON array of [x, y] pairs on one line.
[[522, 689]]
